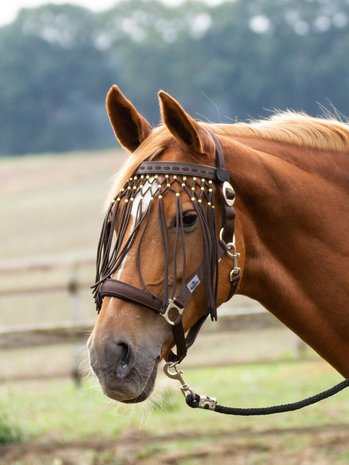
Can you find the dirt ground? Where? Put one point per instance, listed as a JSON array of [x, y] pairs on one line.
[[325, 445]]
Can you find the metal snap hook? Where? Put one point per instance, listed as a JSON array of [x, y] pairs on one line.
[[204, 402], [177, 374]]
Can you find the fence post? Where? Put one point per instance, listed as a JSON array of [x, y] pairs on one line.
[[73, 290]]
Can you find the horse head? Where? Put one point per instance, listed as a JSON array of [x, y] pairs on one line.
[[161, 247]]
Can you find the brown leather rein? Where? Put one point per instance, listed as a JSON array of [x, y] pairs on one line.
[[172, 307]]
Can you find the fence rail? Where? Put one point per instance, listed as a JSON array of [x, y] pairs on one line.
[[16, 337], [76, 331], [44, 264]]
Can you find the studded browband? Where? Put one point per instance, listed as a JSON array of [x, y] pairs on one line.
[[173, 310]]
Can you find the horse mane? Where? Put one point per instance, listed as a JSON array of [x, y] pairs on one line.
[[288, 127], [293, 128]]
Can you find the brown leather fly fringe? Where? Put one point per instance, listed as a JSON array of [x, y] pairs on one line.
[[128, 217], [127, 224], [128, 214]]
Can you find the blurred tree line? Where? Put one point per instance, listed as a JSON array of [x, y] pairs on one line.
[[237, 60]]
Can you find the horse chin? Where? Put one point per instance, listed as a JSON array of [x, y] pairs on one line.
[[148, 388], [126, 396]]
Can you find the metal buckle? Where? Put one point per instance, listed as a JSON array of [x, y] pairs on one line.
[[170, 306], [232, 253], [227, 186]]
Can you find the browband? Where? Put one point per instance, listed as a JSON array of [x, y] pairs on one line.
[[185, 169]]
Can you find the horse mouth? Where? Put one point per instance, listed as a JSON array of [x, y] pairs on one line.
[[126, 393]]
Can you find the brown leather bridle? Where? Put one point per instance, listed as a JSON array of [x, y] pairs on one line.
[[109, 257]]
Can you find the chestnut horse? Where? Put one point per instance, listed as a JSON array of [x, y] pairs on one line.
[[291, 178]]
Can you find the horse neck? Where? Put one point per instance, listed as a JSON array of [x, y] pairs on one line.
[[289, 204]]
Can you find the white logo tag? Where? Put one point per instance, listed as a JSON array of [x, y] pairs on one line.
[[193, 284]]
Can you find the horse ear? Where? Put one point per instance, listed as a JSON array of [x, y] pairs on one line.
[[129, 126], [180, 124]]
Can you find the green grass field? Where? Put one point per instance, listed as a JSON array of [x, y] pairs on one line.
[[56, 412], [43, 410]]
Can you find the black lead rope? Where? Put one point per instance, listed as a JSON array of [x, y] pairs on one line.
[[209, 403], [194, 401]]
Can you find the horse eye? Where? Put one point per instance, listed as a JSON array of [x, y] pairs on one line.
[[189, 219]]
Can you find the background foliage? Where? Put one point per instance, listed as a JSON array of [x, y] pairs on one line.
[[239, 59]]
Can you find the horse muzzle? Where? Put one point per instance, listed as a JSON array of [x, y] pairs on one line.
[[126, 374]]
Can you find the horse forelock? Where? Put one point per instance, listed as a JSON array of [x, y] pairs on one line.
[[153, 145]]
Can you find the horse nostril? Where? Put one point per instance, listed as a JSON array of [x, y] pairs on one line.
[[122, 353]]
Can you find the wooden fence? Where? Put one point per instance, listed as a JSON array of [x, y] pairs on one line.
[[77, 330], [20, 336]]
